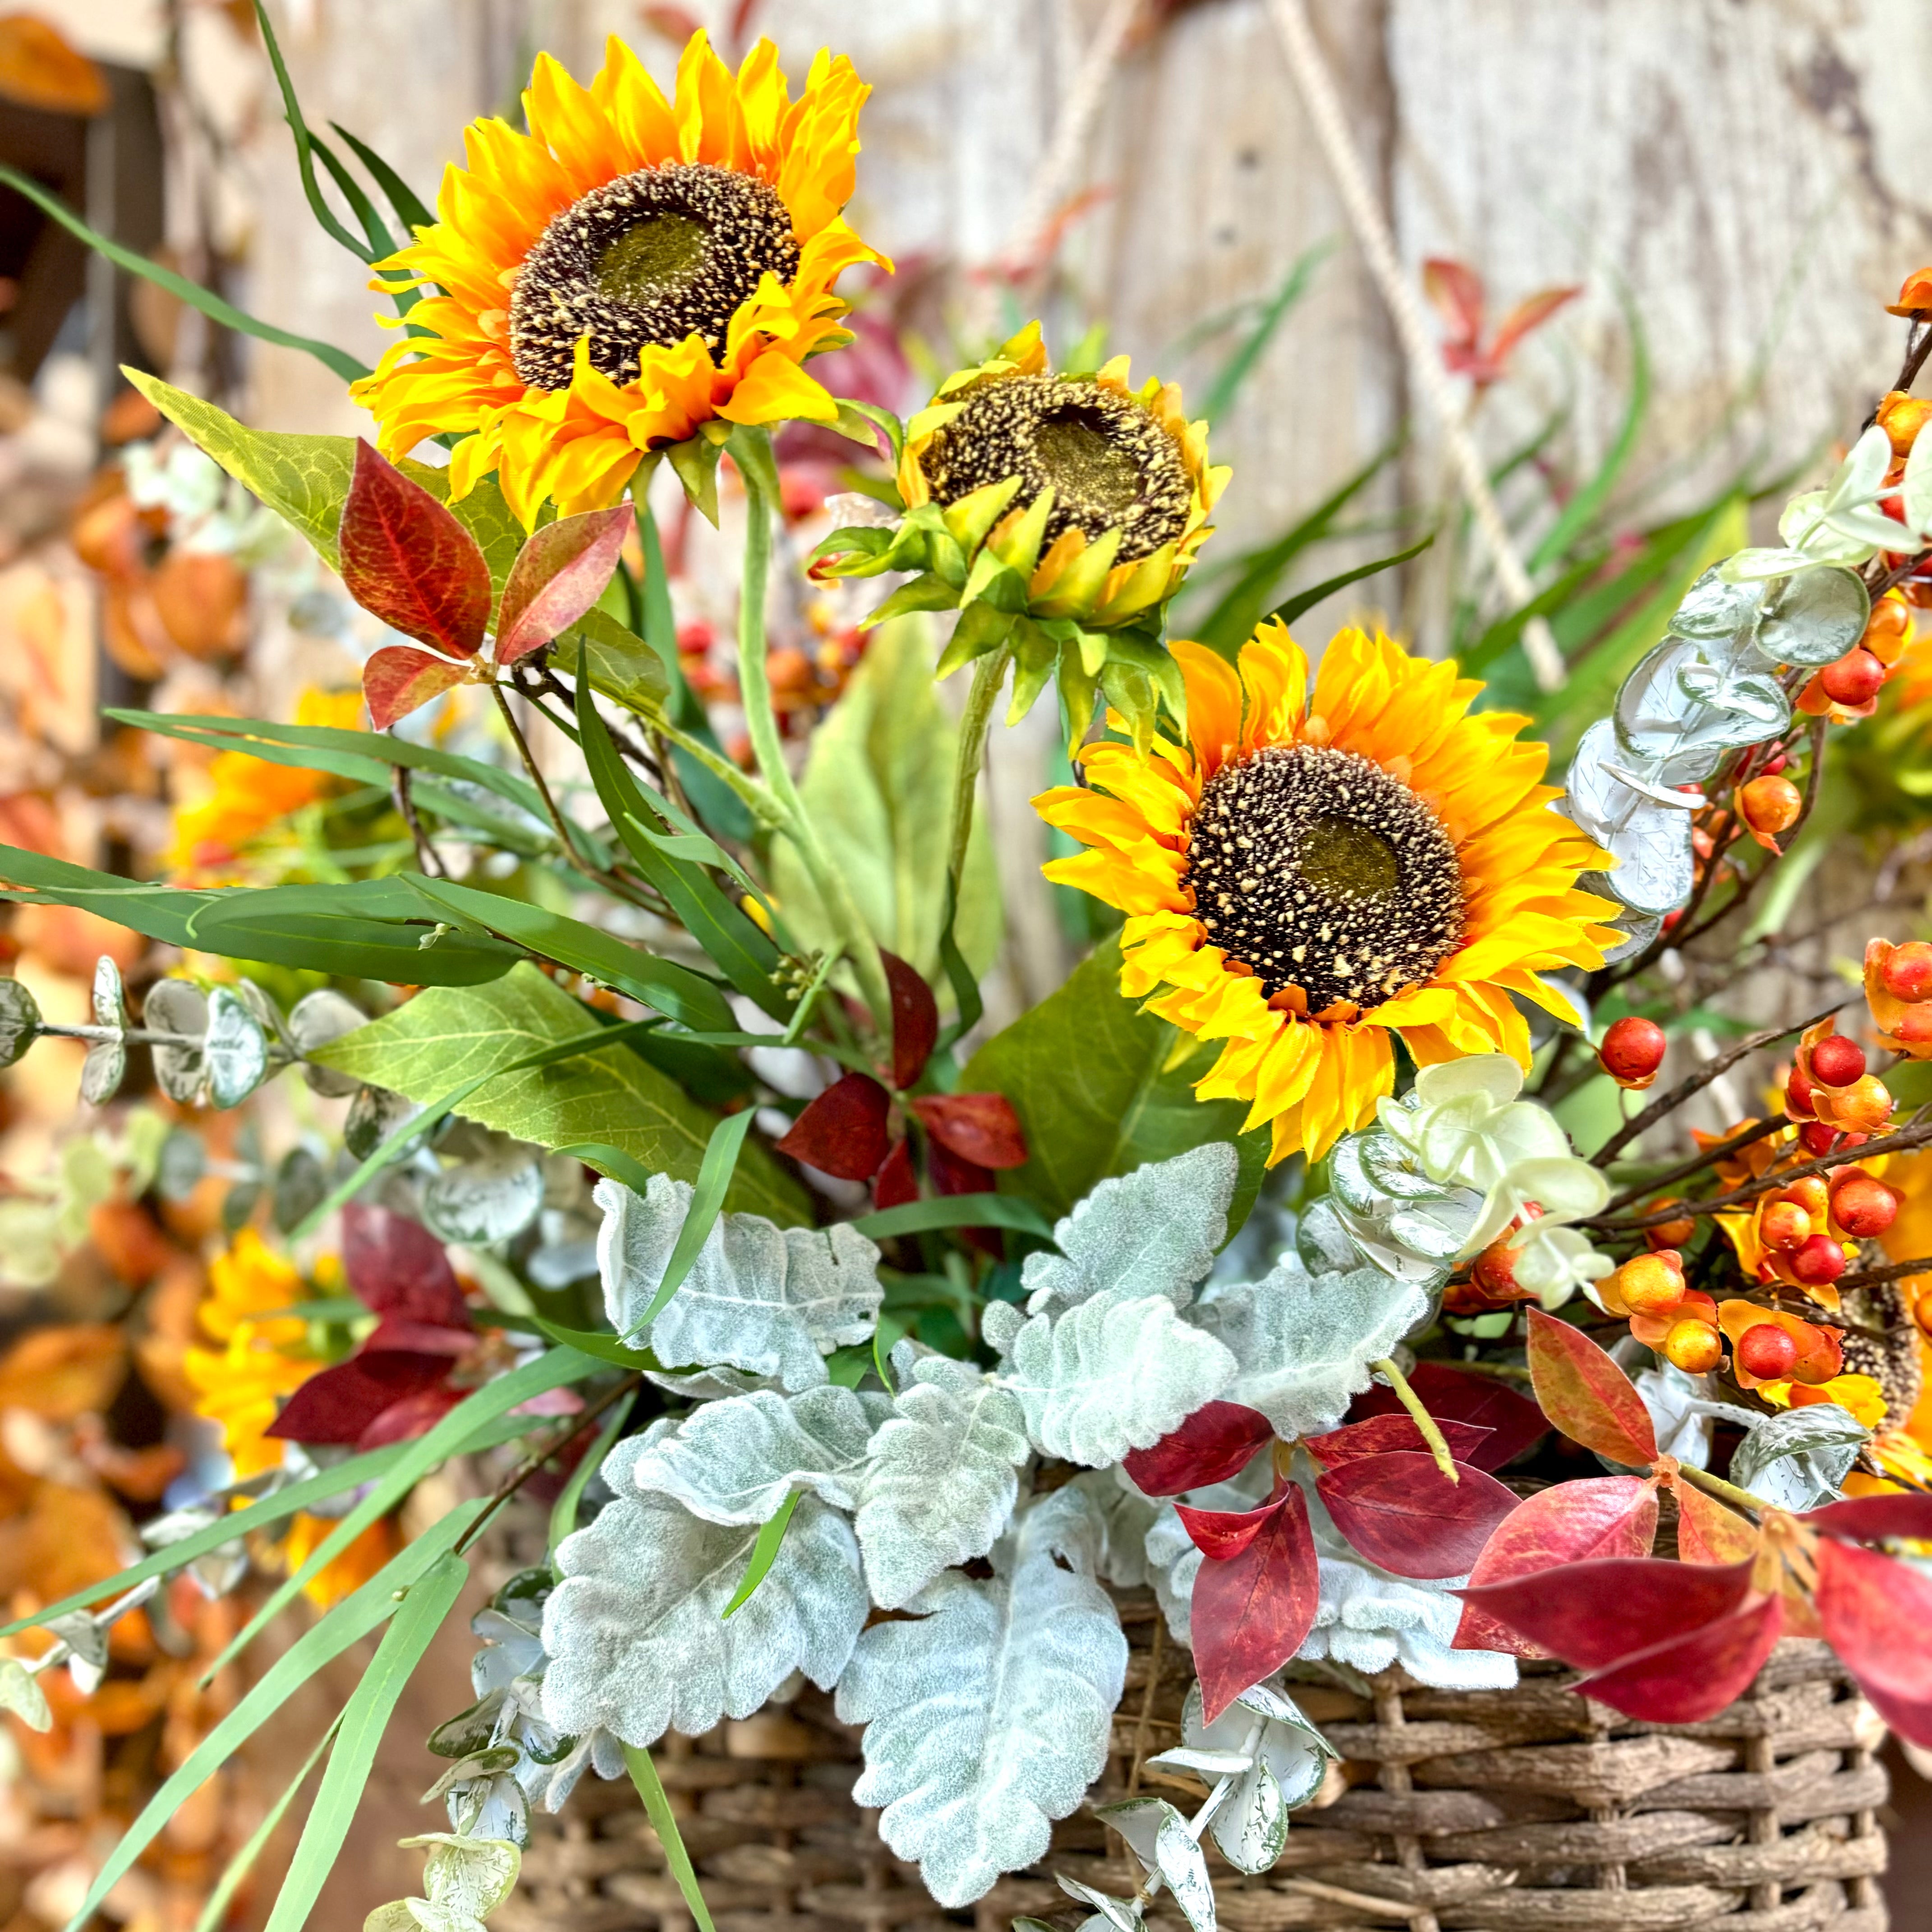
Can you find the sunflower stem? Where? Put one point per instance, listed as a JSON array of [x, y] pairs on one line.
[[1438, 1447], [989, 673], [752, 450]]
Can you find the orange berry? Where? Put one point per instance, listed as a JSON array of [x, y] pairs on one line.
[[1696, 1306], [1821, 1355], [1650, 1285], [1767, 1352], [1902, 417], [1907, 974], [1632, 1051], [1922, 1313], [1696, 1347], [1770, 805], [1865, 1106], [1836, 1061], [1854, 679], [1818, 1263], [1890, 623], [1669, 1234], [1811, 1193], [1783, 1226], [1914, 1026]]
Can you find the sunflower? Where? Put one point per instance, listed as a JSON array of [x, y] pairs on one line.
[[630, 269], [1303, 879], [1060, 515]]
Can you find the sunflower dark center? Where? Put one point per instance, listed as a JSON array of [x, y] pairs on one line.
[[1110, 465], [1317, 869], [645, 261]]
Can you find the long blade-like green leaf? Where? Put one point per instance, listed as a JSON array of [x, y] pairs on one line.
[[214, 1913], [1306, 600], [664, 1822], [306, 146], [1241, 365], [600, 1342], [956, 1210], [563, 1511], [366, 1717], [403, 199], [764, 1554], [707, 1200]]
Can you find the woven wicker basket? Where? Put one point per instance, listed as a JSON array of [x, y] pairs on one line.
[[1526, 1811]]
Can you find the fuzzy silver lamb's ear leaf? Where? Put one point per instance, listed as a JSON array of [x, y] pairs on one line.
[[1155, 1230], [942, 1476], [987, 1714], [1116, 1372], [1304, 1343], [636, 1632], [770, 1301], [736, 1461]]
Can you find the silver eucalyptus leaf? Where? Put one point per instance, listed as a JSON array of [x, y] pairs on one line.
[[492, 1197], [19, 1020], [301, 1185], [1714, 607], [316, 1019], [110, 1001], [1650, 840], [102, 1072], [1813, 617], [373, 1115], [234, 1053], [178, 1006], [182, 1166]]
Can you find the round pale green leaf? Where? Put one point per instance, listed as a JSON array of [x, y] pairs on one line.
[[19, 1020], [20, 1693], [234, 1055]]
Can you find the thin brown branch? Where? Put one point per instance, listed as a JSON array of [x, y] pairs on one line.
[[1875, 1277], [427, 855], [1722, 1150]]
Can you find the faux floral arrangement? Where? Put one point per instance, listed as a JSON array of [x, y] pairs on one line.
[[1278, 1320]]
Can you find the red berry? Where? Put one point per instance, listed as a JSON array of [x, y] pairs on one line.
[[1864, 1207], [1633, 1050], [1855, 679], [1773, 766], [1820, 1260], [1838, 1061], [1797, 1094], [1816, 1137], [1766, 1352], [1908, 972]]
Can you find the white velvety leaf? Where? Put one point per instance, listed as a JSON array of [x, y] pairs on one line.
[[940, 1486], [1153, 1231], [1304, 1343], [1126, 1517], [1116, 1373], [736, 1461], [709, 1384], [771, 1301], [636, 1631], [988, 1715]]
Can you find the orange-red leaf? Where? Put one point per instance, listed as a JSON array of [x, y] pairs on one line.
[[405, 559], [1876, 1614], [400, 679], [843, 1132], [559, 574], [1405, 1515], [981, 1128], [1709, 1532], [1585, 1393], [1251, 1612]]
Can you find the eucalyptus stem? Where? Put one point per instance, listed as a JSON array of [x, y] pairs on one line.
[[752, 450], [989, 672], [1716, 1486], [1438, 1446]]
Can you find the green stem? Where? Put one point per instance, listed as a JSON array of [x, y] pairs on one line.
[[765, 808], [988, 674], [1725, 1492], [1438, 1447], [752, 449]]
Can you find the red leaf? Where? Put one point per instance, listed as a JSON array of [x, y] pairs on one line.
[[1251, 1613], [1585, 1393], [843, 1132], [1692, 1676], [1707, 1532], [414, 1415], [1876, 1613], [1223, 1534], [559, 574], [340, 1403], [896, 1183], [1457, 290], [400, 679], [1404, 1514], [1873, 1519], [1596, 1614], [981, 1128], [915, 1020], [1532, 312], [1572, 1522], [407, 559], [397, 1268], [1219, 1440], [1514, 1422], [417, 1338], [952, 1173], [1379, 1434]]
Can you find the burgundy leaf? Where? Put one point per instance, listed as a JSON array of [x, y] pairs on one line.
[[414, 1415], [1218, 1441], [1596, 1614], [1381, 1434], [1874, 1519], [397, 1268], [1223, 1534], [1405, 1515], [559, 574], [1251, 1613], [405, 559], [400, 679], [340, 1402], [419, 1338], [1570, 1522], [1694, 1675], [953, 1174], [843, 1132], [915, 1020], [1876, 1613], [1460, 1395], [896, 1183], [981, 1128]]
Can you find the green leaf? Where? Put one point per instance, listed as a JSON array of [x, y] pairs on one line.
[[600, 1342], [403, 199], [214, 1913], [1089, 1075], [664, 1822], [307, 147], [764, 1554], [1241, 365], [430, 1599], [955, 1210], [350, 1620], [714, 1171], [445, 1036], [1306, 600], [878, 786], [623, 666]]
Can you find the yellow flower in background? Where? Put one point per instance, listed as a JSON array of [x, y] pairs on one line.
[[1306, 877], [628, 270], [350, 1571], [241, 1383], [244, 797]]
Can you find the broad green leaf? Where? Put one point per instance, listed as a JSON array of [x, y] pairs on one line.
[[623, 666], [429, 1600], [879, 787], [446, 1036], [1089, 1075]]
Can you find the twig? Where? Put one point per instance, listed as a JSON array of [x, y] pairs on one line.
[[1891, 1271], [1696, 1082], [427, 857], [536, 775], [1317, 87], [1432, 1434], [1716, 1486], [1722, 1150]]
